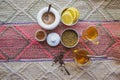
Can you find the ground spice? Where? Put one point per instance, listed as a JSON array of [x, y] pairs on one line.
[[50, 16], [40, 35], [69, 38]]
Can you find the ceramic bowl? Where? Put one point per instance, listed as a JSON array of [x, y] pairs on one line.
[[48, 26]]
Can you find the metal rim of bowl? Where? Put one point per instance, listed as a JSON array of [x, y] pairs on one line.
[[75, 32]]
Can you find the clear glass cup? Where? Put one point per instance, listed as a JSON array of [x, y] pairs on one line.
[[81, 58], [91, 34]]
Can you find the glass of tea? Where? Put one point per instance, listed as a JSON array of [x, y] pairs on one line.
[[80, 57], [91, 34]]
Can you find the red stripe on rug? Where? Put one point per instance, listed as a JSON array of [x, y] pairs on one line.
[[18, 41]]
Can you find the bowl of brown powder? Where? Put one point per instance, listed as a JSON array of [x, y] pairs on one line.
[[40, 35], [69, 38]]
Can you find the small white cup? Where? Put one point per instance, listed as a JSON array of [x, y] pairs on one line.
[[48, 26]]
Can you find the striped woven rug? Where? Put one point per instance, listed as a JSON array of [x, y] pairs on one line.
[[17, 41]]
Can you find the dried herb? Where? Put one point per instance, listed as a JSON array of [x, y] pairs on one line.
[[59, 58], [62, 64], [69, 38]]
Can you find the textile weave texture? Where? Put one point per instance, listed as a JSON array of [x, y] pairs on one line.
[[25, 11], [18, 41]]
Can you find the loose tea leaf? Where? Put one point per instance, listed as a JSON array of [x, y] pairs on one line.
[[59, 58], [62, 64], [56, 59]]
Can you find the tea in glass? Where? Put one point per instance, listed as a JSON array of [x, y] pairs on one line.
[[91, 34], [80, 56]]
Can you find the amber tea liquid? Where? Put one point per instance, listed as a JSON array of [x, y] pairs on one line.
[[91, 34], [81, 56]]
